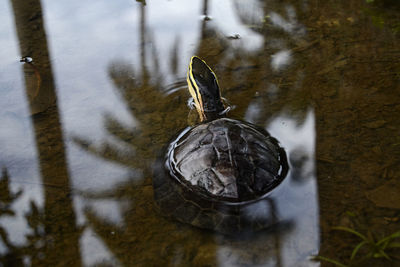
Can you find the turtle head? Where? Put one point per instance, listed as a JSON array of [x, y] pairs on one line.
[[203, 86]]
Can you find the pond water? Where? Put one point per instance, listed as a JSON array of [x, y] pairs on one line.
[[92, 91]]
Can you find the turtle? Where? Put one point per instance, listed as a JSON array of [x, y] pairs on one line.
[[220, 174]]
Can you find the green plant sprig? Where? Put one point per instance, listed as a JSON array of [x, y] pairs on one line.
[[376, 249]]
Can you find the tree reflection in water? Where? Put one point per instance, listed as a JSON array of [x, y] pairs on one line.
[[142, 232], [53, 226]]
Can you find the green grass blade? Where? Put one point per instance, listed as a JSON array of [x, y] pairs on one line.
[[321, 258], [350, 213], [389, 237], [393, 245], [346, 229], [355, 250], [383, 253], [383, 245]]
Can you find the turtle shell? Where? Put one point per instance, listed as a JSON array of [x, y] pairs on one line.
[[214, 174]]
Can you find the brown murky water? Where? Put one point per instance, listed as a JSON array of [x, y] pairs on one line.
[[101, 90]]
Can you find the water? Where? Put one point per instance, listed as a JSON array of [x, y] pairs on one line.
[[102, 91]]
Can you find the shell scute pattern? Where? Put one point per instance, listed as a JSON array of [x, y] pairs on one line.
[[216, 174], [208, 159]]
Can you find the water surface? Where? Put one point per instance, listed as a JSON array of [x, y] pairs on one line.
[[101, 90]]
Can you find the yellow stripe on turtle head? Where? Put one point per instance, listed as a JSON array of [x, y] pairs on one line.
[[194, 91]]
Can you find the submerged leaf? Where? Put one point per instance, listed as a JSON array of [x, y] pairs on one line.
[[346, 229], [394, 245], [382, 254], [355, 250], [389, 237], [321, 258]]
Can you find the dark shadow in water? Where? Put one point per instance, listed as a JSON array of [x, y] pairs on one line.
[[356, 98], [55, 237]]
